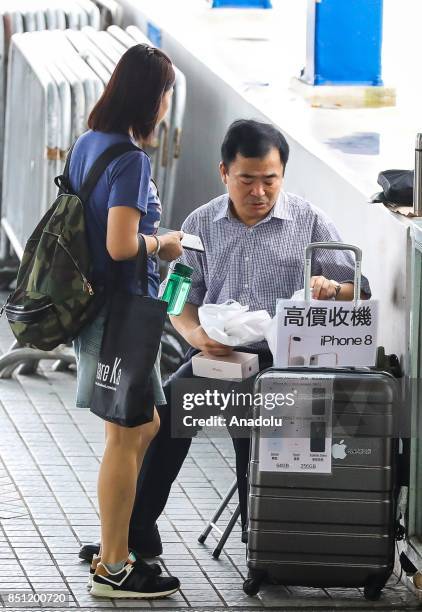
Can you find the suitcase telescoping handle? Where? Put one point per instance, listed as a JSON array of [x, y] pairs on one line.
[[338, 246]]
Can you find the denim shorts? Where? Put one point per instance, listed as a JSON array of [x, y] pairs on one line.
[[87, 349]]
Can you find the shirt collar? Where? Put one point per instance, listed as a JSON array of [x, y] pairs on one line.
[[280, 210]]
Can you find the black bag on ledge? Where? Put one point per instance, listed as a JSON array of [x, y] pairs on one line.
[[397, 187], [123, 392]]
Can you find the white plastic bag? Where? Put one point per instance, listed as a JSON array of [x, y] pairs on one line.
[[232, 324]]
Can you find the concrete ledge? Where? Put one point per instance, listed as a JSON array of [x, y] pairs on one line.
[[344, 96]]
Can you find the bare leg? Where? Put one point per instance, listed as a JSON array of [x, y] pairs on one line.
[[124, 451]]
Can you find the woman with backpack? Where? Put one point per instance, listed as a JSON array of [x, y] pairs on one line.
[[123, 204]]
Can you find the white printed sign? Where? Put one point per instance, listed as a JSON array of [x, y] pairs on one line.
[[303, 443], [326, 333]]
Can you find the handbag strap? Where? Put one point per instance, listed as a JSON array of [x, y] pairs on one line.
[[141, 269]]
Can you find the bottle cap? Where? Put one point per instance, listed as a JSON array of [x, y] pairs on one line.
[[183, 270]]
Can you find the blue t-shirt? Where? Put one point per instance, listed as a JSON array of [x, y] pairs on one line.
[[125, 182]]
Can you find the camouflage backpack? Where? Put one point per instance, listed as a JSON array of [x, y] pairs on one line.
[[54, 298]]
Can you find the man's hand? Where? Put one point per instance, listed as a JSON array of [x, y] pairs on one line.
[[199, 340], [323, 289], [171, 247]]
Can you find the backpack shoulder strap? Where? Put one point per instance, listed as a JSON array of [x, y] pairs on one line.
[[62, 181], [67, 164], [100, 166]]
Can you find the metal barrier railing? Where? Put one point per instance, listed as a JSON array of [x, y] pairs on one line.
[[63, 87], [22, 16]]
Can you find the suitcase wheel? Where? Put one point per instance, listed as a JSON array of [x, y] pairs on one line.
[[372, 593], [251, 586]]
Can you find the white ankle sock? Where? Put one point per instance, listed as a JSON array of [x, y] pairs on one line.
[[115, 568]]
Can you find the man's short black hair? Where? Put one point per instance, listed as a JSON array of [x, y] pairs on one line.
[[252, 139]]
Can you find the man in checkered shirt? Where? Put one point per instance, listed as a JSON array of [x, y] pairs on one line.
[[254, 238]]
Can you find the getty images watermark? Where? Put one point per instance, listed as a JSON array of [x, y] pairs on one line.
[[221, 401], [225, 405]]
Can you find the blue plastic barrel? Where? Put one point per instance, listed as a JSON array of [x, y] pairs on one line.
[[344, 42]]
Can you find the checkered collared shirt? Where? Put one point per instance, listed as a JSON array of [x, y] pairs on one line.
[[257, 265]]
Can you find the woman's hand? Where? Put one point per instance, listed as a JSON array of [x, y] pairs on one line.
[[170, 246]]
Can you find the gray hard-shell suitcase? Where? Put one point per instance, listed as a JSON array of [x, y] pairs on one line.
[[328, 529], [338, 529]]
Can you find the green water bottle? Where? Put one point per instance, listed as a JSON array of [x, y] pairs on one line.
[[177, 288]]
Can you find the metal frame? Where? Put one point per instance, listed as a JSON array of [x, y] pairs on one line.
[[78, 41], [111, 49], [77, 107], [18, 16], [88, 51], [39, 88], [414, 543], [43, 93], [224, 535], [93, 13], [111, 12], [122, 36]]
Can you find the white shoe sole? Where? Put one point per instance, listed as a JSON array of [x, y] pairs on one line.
[[103, 590]]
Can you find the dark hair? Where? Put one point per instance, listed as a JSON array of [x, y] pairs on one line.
[[132, 97], [252, 139]]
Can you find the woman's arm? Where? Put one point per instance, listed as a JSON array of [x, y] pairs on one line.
[[122, 236], [122, 233]]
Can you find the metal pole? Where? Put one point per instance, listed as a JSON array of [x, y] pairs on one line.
[[223, 505], [417, 185], [337, 246]]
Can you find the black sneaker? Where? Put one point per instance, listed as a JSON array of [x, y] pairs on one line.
[[88, 551], [153, 568], [132, 582]]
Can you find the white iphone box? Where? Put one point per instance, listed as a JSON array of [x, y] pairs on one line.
[[237, 366]]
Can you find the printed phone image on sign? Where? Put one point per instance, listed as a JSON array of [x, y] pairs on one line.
[[298, 351]]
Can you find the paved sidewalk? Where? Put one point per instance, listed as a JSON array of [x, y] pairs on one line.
[[49, 458]]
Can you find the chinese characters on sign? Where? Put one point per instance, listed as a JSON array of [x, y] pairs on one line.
[[326, 334], [314, 316]]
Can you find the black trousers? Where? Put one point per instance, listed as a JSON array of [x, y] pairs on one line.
[[166, 455]]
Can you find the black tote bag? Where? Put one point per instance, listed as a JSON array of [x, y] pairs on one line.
[[123, 391]]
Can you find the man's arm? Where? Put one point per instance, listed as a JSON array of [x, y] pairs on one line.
[[336, 265], [188, 326], [187, 323], [324, 289]]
